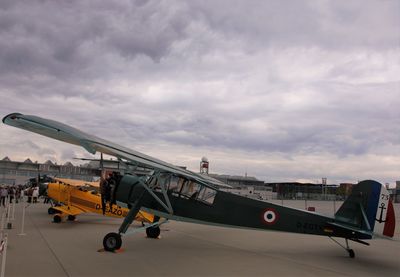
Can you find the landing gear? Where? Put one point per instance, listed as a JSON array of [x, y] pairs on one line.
[[153, 232], [351, 253], [112, 242], [136, 191], [71, 217], [57, 219], [347, 248]]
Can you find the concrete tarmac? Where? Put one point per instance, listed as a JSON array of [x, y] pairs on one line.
[[72, 249]]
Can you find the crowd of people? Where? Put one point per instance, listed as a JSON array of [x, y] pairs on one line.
[[10, 192], [18, 191]]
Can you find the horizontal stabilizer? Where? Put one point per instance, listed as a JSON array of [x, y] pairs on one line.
[[360, 233]]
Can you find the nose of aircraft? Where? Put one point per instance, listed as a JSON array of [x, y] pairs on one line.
[[125, 189]]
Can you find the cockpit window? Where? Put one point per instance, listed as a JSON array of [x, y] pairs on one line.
[[174, 184], [184, 188], [196, 191], [207, 195], [190, 189]]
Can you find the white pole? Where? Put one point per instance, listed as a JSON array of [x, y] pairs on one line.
[[3, 260], [8, 214], [334, 205], [23, 221], [2, 224], [13, 208]]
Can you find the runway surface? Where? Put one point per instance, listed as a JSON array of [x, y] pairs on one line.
[[72, 249]]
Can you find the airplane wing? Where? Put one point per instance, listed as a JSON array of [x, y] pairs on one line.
[[92, 144], [77, 183], [71, 210]]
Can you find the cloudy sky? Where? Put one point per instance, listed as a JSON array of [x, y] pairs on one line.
[[282, 90]]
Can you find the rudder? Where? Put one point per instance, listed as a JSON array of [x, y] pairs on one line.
[[369, 208]]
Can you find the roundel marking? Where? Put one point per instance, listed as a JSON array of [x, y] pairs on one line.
[[270, 216]]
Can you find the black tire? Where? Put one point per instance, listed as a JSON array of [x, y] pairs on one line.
[[71, 217], [351, 253], [57, 219], [112, 242], [51, 210], [153, 232]]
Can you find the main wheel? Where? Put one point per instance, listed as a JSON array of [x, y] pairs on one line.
[[57, 219], [351, 253], [71, 217], [153, 232], [112, 242]]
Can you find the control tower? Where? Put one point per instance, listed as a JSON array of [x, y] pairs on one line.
[[204, 165]]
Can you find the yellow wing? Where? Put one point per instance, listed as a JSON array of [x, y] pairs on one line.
[[71, 210], [78, 183]]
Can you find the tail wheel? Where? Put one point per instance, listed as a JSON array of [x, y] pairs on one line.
[[57, 219], [112, 242], [351, 253], [71, 217], [153, 232], [51, 210]]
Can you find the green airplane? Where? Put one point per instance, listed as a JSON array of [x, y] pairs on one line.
[[171, 192]]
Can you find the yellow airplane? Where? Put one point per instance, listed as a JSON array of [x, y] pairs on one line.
[[74, 197]]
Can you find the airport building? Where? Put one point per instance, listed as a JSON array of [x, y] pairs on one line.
[[238, 181], [297, 190], [18, 173], [13, 172], [397, 192]]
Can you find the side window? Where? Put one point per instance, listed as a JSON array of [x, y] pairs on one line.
[[190, 189], [175, 184], [207, 195]]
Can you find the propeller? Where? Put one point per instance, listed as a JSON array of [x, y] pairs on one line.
[[103, 184]]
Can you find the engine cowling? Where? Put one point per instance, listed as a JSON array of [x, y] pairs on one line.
[[128, 189]]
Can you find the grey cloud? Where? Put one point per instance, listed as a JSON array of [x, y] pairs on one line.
[[285, 79], [74, 42], [329, 24]]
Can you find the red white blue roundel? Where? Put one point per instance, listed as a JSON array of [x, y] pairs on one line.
[[270, 216]]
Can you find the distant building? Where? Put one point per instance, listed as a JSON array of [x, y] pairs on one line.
[[12, 172], [245, 186], [397, 193], [297, 190], [345, 189], [238, 181]]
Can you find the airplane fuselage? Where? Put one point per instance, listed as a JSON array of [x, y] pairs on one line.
[[227, 209]]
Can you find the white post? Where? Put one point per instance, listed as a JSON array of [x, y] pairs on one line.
[[2, 224], [13, 208], [8, 215], [334, 205], [4, 253], [8, 212], [23, 221]]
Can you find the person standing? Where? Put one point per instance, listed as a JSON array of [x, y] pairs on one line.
[[35, 194], [11, 193], [3, 195]]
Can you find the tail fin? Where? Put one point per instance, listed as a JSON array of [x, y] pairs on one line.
[[369, 208]]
